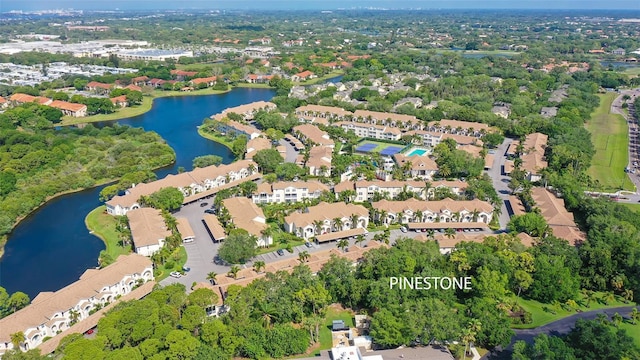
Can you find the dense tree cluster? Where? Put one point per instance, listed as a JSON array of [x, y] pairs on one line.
[[38, 165], [12, 303]]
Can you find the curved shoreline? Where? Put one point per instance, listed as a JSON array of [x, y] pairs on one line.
[[4, 238], [157, 94]]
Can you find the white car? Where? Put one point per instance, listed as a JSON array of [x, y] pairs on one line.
[[403, 229], [175, 274]]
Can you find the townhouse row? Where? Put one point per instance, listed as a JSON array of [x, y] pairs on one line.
[[51, 313]]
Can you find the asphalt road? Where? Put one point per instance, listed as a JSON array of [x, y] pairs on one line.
[[560, 327], [292, 154], [500, 180]]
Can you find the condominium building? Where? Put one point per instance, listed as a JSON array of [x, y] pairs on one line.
[[248, 216], [326, 218], [195, 184], [285, 192], [308, 134], [148, 230], [366, 190], [533, 158], [52, 312], [373, 131], [441, 211]]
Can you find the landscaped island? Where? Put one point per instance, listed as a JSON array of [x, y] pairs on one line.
[[40, 163]]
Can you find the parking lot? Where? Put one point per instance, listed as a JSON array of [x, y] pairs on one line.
[[202, 251]]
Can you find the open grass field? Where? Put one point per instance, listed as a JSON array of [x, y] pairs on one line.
[[632, 207], [632, 70], [632, 330], [545, 313], [610, 137], [103, 226]]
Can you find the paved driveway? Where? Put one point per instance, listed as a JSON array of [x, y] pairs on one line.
[[500, 180], [292, 154]]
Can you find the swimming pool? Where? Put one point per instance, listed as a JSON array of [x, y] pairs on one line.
[[417, 152]]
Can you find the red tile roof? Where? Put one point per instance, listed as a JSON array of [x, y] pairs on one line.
[[64, 105]]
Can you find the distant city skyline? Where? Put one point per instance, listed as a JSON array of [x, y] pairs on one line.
[[32, 5]]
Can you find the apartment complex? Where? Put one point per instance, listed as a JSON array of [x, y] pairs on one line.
[[248, 216], [366, 190], [533, 158], [195, 184], [441, 211], [53, 312], [148, 230], [560, 221], [373, 131], [311, 134], [326, 218], [288, 191]]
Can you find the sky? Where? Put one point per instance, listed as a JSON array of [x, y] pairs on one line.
[[29, 5]]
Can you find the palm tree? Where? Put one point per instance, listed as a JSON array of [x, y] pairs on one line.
[[475, 214], [268, 311], [317, 225], [450, 233], [354, 220], [382, 216], [304, 256], [609, 298], [456, 215], [212, 277], [360, 239], [616, 319], [418, 216], [431, 234], [342, 244], [617, 282], [74, 315], [17, 339], [635, 316], [627, 294], [337, 224], [251, 168], [258, 266], [233, 272]]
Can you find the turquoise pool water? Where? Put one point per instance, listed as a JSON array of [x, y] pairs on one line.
[[417, 152]]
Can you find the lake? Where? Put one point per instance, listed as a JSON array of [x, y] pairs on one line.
[[52, 247]]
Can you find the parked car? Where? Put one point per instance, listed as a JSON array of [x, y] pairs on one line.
[[203, 204], [209, 211], [403, 229], [308, 244], [280, 252], [175, 274], [186, 269], [89, 332]]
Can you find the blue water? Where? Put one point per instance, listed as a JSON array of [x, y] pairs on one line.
[[52, 247], [417, 152]]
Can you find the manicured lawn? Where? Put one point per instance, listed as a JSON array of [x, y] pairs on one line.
[[610, 137], [147, 102], [632, 70], [103, 226], [123, 113], [253, 86], [215, 137], [633, 331], [325, 331], [633, 207], [330, 75], [179, 257], [541, 316]]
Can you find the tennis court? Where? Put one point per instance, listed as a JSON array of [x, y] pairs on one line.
[[382, 148]]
